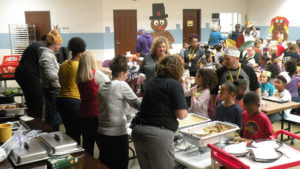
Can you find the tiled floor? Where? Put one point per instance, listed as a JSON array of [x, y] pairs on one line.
[[133, 164]]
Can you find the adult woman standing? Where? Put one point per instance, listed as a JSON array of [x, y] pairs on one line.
[[215, 36], [193, 54], [68, 98], [159, 48], [88, 80], [154, 126], [113, 99]]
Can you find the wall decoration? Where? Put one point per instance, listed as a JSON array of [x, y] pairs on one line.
[[279, 28], [159, 22], [190, 23]]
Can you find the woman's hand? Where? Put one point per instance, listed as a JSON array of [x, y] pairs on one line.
[[181, 114]]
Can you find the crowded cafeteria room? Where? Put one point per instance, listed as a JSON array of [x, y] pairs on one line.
[[149, 84]]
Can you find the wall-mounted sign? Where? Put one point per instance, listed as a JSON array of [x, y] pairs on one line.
[[64, 29], [190, 23]]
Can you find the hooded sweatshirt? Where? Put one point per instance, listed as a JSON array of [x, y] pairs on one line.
[[143, 44], [48, 68], [113, 100]]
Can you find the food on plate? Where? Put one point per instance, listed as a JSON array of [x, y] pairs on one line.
[[237, 140], [209, 130], [191, 119], [11, 106]]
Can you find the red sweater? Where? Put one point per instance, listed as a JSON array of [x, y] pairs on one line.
[[257, 126], [88, 95]]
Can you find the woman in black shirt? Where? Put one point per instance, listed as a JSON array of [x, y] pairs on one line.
[[193, 54], [156, 122]]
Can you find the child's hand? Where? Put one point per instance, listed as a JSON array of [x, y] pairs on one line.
[[194, 90]]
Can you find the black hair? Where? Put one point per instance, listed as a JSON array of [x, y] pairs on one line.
[[251, 98], [282, 78], [76, 45], [43, 38], [238, 26], [231, 87], [218, 47], [265, 57], [240, 82], [290, 67], [273, 69], [118, 65], [298, 42], [274, 56], [193, 36]]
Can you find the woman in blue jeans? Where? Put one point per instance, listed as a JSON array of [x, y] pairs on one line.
[[68, 99]]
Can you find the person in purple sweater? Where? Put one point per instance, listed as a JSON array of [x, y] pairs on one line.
[[143, 43], [292, 86]]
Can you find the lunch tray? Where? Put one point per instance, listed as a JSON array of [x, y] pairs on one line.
[[265, 160], [274, 100]]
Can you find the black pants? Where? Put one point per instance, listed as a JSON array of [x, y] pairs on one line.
[[32, 90], [68, 109], [114, 151], [52, 116], [89, 133]]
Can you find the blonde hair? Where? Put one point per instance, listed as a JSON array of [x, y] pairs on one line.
[[87, 64], [157, 41]]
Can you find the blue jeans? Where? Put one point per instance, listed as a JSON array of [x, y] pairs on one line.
[[52, 117], [68, 109]]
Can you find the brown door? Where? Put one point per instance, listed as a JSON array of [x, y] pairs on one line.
[[125, 31], [191, 23], [41, 20]]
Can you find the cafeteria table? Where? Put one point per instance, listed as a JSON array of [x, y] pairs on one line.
[[272, 107], [85, 160]]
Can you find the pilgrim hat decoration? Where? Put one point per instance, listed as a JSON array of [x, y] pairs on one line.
[[158, 11]]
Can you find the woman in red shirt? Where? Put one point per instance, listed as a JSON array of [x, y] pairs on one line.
[[88, 80]]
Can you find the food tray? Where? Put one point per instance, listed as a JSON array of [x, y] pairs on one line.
[[265, 160], [194, 119], [58, 143], [275, 99], [30, 152], [202, 142], [13, 111]]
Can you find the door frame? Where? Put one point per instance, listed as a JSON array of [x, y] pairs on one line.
[[199, 28], [115, 50]]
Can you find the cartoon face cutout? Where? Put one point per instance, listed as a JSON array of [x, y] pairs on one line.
[[279, 23], [159, 24]]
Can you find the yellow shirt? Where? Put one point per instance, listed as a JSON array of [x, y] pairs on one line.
[[67, 79]]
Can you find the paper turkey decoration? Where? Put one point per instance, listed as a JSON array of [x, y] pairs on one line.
[[159, 23], [279, 28]]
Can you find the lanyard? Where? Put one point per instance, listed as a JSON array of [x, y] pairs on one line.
[[191, 55], [237, 76]]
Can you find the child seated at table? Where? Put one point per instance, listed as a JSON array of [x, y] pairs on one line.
[[241, 85], [256, 124], [205, 80], [228, 110], [266, 87], [280, 83], [280, 92], [291, 67]]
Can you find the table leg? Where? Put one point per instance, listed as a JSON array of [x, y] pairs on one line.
[[282, 125], [213, 163]]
